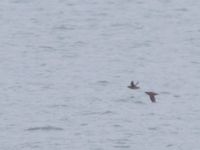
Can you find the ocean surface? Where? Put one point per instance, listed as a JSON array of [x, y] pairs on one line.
[[65, 66]]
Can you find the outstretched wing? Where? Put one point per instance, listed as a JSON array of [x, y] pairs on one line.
[[152, 97], [132, 84]]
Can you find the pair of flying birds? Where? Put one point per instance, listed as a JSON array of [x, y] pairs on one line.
[[135, 86]]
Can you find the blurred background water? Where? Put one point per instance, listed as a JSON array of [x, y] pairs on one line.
[[65, 66]]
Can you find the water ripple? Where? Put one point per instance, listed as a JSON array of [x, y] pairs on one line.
[[45, 128]]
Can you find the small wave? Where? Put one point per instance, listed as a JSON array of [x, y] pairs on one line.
[[45, 128]]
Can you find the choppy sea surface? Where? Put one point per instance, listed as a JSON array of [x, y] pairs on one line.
[[65, 66]]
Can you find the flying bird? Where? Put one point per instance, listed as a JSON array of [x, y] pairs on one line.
[[152, 96], [133, 85]]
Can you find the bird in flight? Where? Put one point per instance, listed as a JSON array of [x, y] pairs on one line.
[[152, 96], [133, 85]]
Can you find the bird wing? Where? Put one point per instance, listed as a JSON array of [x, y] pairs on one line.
[[152, 97], [132, 83]]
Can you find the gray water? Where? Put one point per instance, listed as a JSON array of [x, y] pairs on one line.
[[66, 64]]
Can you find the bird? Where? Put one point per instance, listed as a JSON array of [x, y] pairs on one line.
[[152, 96], [133, 85]]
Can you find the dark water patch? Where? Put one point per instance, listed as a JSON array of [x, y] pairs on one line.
[[69, 56], [100, 14], [45, 128], [90, 113], [142, 44], [139, 102], [151, 114], [197, 132], [181, 9], [166, 124], [135, 26], [77, 133], [153, 128], [117, 76], [43, 64], [139, 2], [98, 113], [176, 96], [178, 118], [46, 87], [121, 143], [47, 48], [21, 1], [64, 27], [83, 124], [65, 119], [103, 82], [174, 132], [107, 112], [195, 62], [116, 125], [169, 145], [122, 146], [31, 145]]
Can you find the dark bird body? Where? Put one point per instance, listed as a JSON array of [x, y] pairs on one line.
[[133, 85], [152, 96]]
